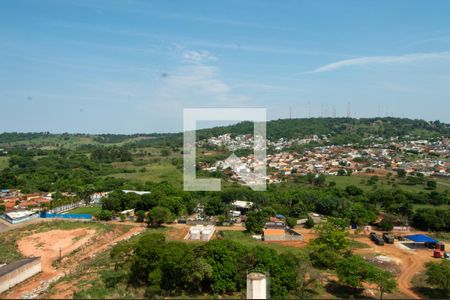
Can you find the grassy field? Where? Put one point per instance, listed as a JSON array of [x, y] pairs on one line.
[[443, 206], [156, 172], [361, 181], [92, 210], [358, 245], [246, 239], [3, 162]]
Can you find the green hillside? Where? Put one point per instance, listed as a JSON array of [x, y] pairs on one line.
[[339, 130]]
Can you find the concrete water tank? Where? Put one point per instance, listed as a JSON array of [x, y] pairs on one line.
[[256, 286]]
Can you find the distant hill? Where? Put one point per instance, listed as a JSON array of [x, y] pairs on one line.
[[339, 130], [294, 128]]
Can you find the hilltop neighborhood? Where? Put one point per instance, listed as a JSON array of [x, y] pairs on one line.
[[429, 158]]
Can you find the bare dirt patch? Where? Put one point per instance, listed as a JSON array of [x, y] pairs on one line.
[[49, 246], [405, 263], [100, 244], [76, 245], [177, 232]]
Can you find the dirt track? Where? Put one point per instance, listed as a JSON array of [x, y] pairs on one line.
[[411, 262], [48, 244]]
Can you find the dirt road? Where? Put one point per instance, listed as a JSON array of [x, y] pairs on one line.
[[410, 262]]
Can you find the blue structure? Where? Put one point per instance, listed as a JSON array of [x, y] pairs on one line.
[[66, 216], [280, 216], [421, 238]]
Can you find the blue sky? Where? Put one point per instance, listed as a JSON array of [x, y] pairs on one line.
[[132, 66]]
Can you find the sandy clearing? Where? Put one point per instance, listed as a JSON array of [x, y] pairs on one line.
[[410, 262], [47, 245], [177, 233], [101, 243]]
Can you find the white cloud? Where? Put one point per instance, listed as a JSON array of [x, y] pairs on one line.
[[195, 82], [371, 60], [192, 84], [197, 56]]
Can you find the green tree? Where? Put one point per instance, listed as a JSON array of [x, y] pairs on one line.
[[341, 172], [323, 256], [291, 222], [319, 180], [140, 216], [197, 272], [331, 244], [431, 184], [255, 221], [104, 215], [352, 271], [360, 215], [333, 233], [401, 173], [438, 275], [308, 278], [353, 190], [309, 223], [385, 280], [165, 152], [214, 206], [386, 224], [159, 215]]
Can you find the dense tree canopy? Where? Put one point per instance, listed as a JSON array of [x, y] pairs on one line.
[[220, 266]]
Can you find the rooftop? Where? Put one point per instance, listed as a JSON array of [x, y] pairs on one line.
[[274, 231]]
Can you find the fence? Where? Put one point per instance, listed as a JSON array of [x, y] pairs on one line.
[[66, 207]]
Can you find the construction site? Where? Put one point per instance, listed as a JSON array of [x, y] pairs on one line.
[[51, 250]]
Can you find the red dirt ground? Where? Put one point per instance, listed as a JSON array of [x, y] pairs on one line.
[[48, 244], [410, 262]]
